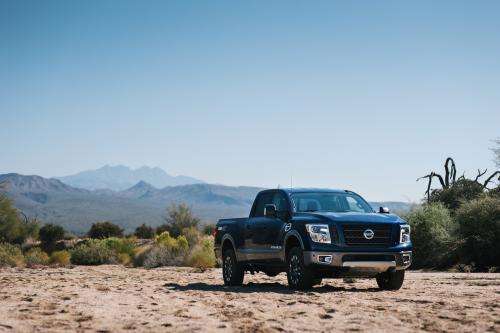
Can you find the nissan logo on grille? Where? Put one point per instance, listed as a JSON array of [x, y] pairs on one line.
[[368, 233]]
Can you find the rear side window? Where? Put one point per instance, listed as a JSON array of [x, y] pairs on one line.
[[279, 200], [261, 201]]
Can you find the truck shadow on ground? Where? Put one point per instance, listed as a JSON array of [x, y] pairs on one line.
[[262, 288]]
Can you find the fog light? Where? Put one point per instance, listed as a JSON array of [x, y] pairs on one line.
[[406, 259], [325, 259]]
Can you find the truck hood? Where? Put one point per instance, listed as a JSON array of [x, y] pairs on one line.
[[354, 217]]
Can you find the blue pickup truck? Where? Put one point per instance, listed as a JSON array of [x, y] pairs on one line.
[[313, 234]]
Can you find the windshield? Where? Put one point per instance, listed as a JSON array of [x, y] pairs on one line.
[[330, 202]]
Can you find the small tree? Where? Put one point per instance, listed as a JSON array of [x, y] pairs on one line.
[[104, 229], [51, 233], [11, 226], [144, 231], [180, 217]]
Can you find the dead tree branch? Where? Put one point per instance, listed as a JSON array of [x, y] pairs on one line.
[[490, 178], [480, 174]]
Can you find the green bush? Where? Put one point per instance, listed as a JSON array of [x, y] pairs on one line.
[[178, 218], [36, 257], [202, 256], [10, 255], [432, 230], [60, 258], [120, 245], [51, 233], [462, 191], [479, 226], [93, 252], [166, 251], [144, 232], [106, 229]]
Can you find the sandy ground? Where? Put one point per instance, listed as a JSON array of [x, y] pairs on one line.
[[114, 298]]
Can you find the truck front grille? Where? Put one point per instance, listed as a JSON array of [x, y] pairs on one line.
[[353, 235]]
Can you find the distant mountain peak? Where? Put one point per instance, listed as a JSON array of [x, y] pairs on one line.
[[121, 177]]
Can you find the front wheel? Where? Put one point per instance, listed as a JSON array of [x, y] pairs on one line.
[[232, 271], [298, 275], [391, 280]]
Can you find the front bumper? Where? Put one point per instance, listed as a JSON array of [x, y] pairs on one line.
[[359, 261]]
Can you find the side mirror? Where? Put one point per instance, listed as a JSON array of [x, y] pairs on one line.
[[270, 211], [383, 210]]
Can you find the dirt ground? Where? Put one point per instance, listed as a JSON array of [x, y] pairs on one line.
[[115, 298]]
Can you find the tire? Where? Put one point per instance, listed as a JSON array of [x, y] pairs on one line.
[[232, 271], [391, 280], [298, 275]]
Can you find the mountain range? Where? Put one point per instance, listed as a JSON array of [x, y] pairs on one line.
[[120, 177], [53, 201]]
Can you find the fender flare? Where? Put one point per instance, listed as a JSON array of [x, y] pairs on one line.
[[227, 236], [291, 233]]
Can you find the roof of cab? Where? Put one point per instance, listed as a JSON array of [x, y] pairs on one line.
[[311, 189]]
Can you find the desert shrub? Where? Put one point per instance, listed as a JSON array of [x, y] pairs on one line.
[[432, 230], [144, 232], [192, 235], [479, 226], [462, 191], [177, 246], [93, 252], [36, 257], [202, 255], [13, 229], [51, 233], [178, 218], [120, 245], [166, 251], [162, 228], [208, 229], [10, 255], [106, 229], [60, 258]]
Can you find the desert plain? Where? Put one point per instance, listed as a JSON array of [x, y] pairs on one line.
[[119, 299]]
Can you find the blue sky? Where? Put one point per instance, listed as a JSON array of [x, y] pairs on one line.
[[362, 95]]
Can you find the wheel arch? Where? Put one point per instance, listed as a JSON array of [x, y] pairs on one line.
[[292, 239]]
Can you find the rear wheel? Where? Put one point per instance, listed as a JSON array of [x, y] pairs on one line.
[[298, 275], [232, 271], [391, 280]]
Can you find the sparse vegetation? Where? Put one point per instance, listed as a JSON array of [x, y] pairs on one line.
[[36, 257], [179, 217], [13, 228], [60, 258], [93, 252], [144, 231], [202, 256], [106, 229], [10, 255], [51, 233]]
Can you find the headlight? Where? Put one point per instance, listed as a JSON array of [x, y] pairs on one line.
[[404, 235], [320, 233]]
